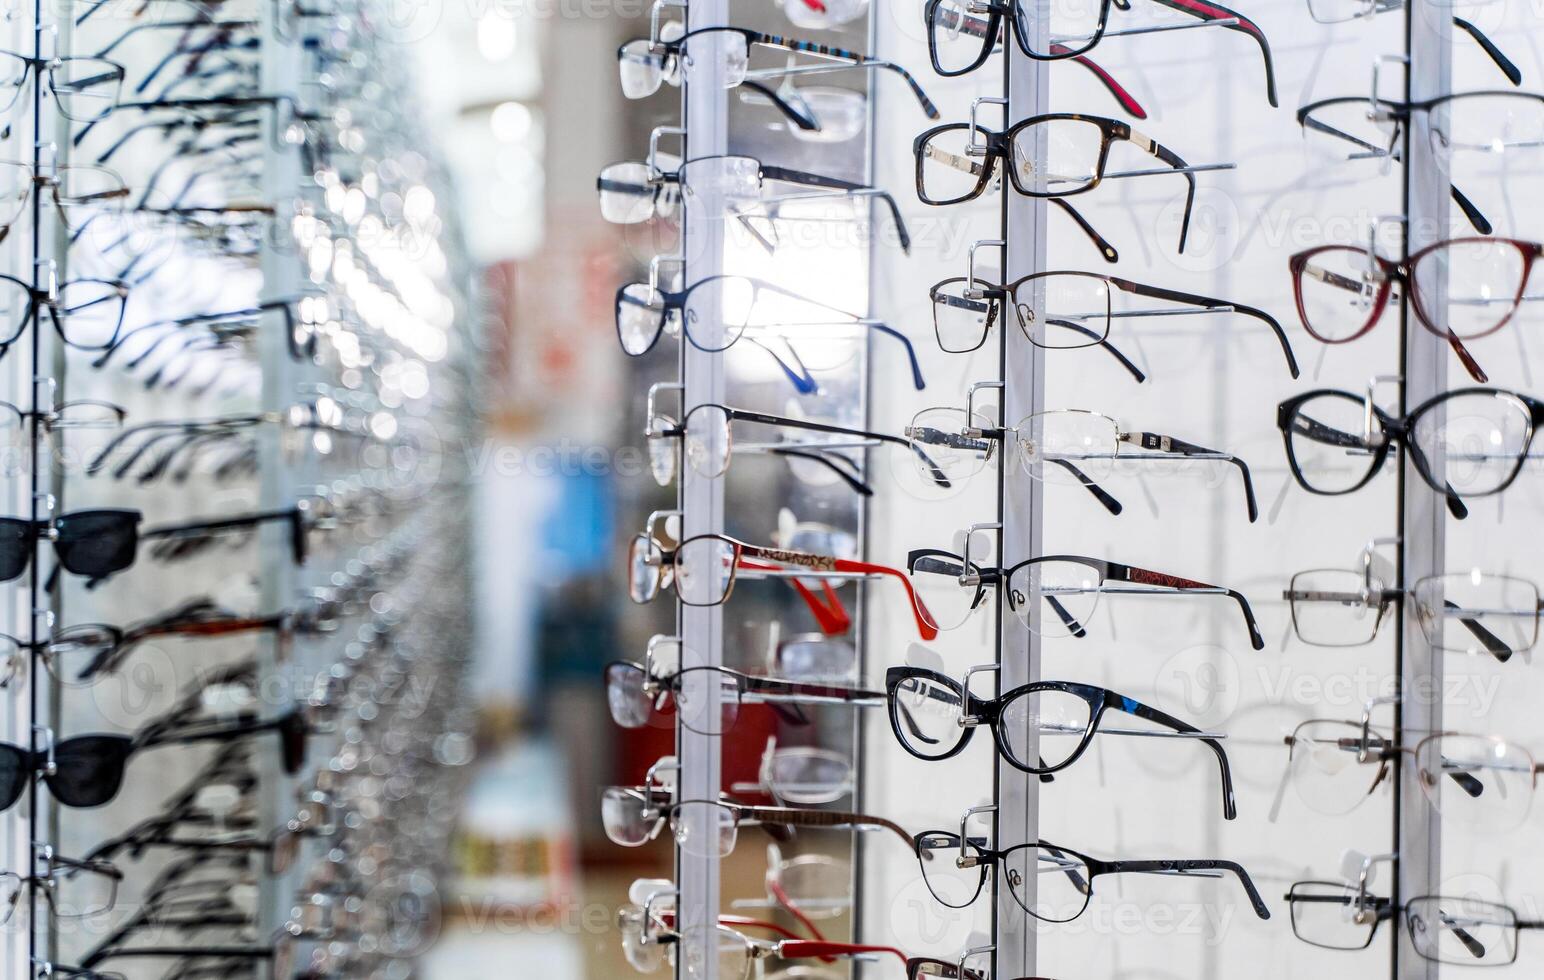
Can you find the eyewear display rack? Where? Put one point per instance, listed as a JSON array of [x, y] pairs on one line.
[[304, 336], [705, 114], [1423, 513]]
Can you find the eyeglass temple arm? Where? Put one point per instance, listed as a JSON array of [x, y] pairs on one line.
[[1127, 101], [1100, 341], [1202, 865], [803, 382], [1455, 503], [1162, 443], [1209, 302], [1105, 248], [924, 618], [830, 615], [194, 732], [1174, 160], [797, 817], [746, 922], [1493, 644], [833, 183], [799, 119], [824, 459], [808, 47], [780, 895], [1510, 70], [778, 687], [1143, 576], [1110, 503], [937, 475], [796, 948], [1216, 11], [911, 352], [1137, 709]]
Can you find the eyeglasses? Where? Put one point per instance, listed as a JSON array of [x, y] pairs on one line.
[[1079, 304], [1457, 930], [934, 716], [1470, 612], [1050, 882], [85, 89], [1342, 290], [87, 770], [706, 438], [1335, 915], [633, 192], [73, 889], [703, 570], [70, 189], [78, 655], [638, 699], [181, 540], [91, 543], [1488, 123], [1069, 585], [645, 64], [1067, 446], [647, 941], [87, 314], [1336, 441], [953, 168], [715, 312], [1480, 781], [1341, 11], [959, 40], [709, 828]]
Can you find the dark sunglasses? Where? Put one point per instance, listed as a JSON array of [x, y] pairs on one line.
[[92, 543], [87, 770]]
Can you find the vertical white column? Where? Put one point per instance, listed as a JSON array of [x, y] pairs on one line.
[[701, 500], [1024, 229], [1423, 512]]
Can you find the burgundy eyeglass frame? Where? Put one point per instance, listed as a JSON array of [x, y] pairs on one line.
[[1404, 273]]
